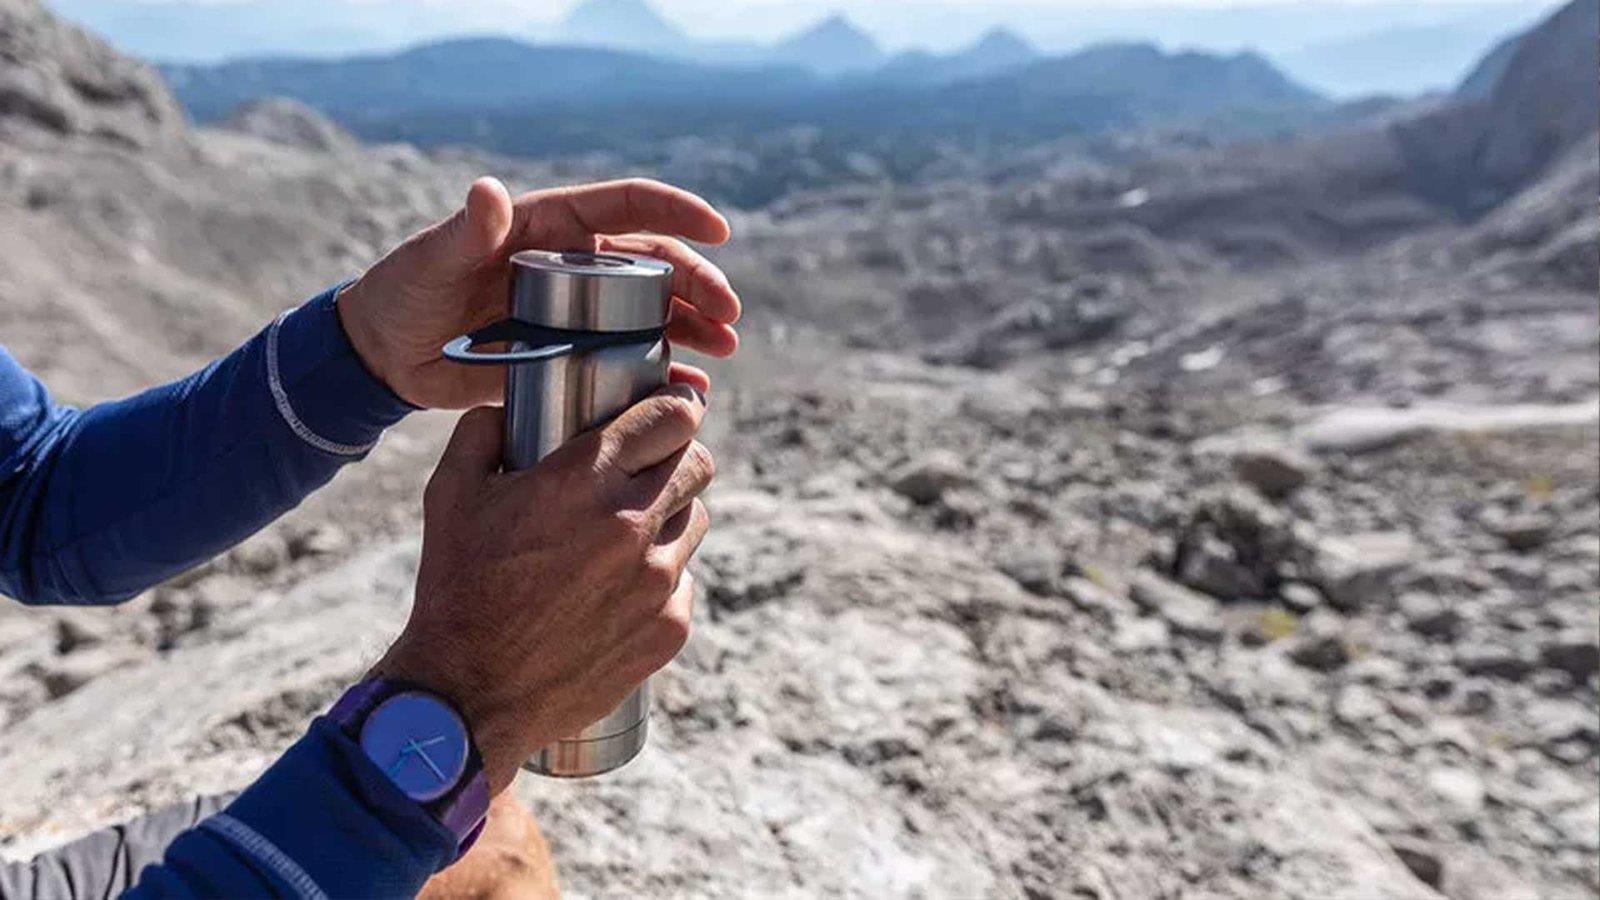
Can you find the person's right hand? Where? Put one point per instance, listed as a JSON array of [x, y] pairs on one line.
[[545, 596]]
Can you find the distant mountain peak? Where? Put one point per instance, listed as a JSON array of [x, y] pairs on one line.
[[631, 24], [1001, 39], [833, 46], [998, 48]]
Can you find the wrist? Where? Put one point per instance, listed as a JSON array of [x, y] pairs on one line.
[[355, 318]]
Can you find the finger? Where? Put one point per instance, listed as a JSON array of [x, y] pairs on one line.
[[693, 376], [487, 220], [695, 279], [572, 216], [683, 534], [668, 488], [653, 429], [474, 451], [694, 331]]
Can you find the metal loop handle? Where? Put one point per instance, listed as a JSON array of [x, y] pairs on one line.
[[540, 343]]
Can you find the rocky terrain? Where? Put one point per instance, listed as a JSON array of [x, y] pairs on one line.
[[1220, 523]]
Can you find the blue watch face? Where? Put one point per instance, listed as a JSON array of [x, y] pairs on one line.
[[419, 742]]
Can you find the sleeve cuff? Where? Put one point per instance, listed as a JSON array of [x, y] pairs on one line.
[[322, 390], [324, 822]]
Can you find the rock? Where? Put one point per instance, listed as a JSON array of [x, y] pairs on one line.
[[1320, 644], [1140, 634], [1102, 603], [1233, 546], [1359, 569], [1521, 532], [1462, 789], [1565, 730], [292, 123], [1299, 596], [1423, 861], [1475, 696], [1189, 613], [66, 674], [1320, 654], [319, 540], [262, 554], [926, 479], [1574, 653], [1036, 567], [1359, 707], [80, 632], [1493, 660], [1478, 876], [1210, 565], [1275, 471], [1429, 615]]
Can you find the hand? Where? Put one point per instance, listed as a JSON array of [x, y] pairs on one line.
[[510, 860], [545, 596], [453, 278]]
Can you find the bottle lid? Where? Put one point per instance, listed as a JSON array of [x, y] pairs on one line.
[[590, 291]]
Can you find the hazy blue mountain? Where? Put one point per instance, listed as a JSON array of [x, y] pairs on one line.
[[833, 46], [1486, 74], [209, 31], [1156, 82], [1411, 60], [622, 25], [472, 75], [998, 50]]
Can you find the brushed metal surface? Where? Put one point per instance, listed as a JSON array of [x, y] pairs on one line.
[[549, 403], [590, 291]]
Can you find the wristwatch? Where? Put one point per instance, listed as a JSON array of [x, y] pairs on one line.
[[422, 745]]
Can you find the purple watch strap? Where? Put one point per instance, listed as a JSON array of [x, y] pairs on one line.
[[463, 811]]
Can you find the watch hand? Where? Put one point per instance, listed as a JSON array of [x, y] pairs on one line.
[[399, 762], [412, 745], [437, 740]]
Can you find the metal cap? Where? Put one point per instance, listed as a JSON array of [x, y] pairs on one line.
[[590, 291]]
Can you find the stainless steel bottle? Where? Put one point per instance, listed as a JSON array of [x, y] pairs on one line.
[[587, 341]]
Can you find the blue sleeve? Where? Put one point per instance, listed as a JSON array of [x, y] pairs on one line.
[[322, 822], [101, 504]]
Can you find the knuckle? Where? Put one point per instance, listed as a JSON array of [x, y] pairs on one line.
[[670, 632], [660, 580], [702, 462], [678, 414], [631, 528]]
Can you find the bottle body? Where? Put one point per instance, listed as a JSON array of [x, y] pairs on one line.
[[547, 404]]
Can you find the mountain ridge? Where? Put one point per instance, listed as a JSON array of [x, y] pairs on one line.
[[833, 46]]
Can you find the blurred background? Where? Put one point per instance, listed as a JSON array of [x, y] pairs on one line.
[[1162, 463]]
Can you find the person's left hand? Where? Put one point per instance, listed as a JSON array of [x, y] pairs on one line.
[[452, 278], [510, 860]]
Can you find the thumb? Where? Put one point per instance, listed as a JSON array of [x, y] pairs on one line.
[[474, 453], [479, 229]]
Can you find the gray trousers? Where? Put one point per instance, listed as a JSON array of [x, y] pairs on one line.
[[106, 863]]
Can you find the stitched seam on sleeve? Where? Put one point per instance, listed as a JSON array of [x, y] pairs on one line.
[[280, 398], [247, 839]]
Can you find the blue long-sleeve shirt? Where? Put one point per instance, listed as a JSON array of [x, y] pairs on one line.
[[98, 505]]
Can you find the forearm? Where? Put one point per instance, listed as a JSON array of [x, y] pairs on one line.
[[116, 499], [322, 822]]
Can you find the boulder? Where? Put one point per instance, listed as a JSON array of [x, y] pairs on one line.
[[1189, 613], [1356, 570], [926, 479], [1275, 471]]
